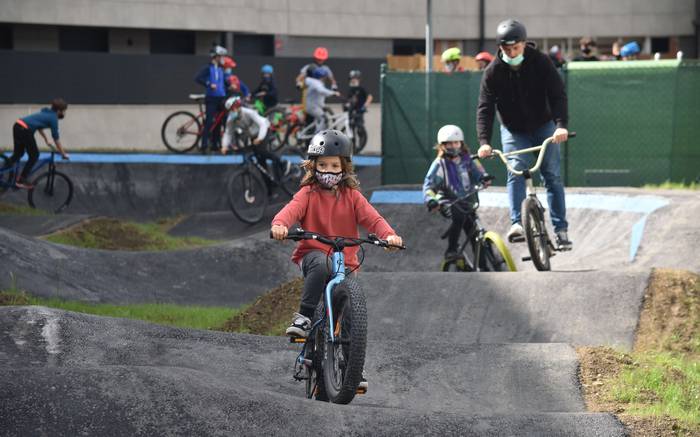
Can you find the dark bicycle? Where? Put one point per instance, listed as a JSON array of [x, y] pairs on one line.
[[250, 188], [481, 250], [333, 356], [52, 190]]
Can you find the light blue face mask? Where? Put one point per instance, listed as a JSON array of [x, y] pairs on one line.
[[513, 61]]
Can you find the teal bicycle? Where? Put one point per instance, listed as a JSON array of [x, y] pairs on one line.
[[52, 190], [333, 357]]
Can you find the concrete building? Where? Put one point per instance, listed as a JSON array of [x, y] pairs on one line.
[[137, 52]]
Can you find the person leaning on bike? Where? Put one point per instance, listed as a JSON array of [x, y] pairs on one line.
[[212, 78], [316, 94], [23, 135], [255, 126], [452, 175], [525, 88]]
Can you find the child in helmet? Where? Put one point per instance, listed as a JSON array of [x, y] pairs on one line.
[[451, 58], [254, 126], [358, 97], [267, 90], [328, 202], [316, 94], [452, 175]]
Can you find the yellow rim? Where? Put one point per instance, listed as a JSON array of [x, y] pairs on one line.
[[502, 248]]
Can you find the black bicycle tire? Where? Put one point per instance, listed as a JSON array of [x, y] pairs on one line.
[[533, 222], [36, 183], [349, 295], [359, 138], [7, 176], [315, 342], [165, 125], [233, 193]]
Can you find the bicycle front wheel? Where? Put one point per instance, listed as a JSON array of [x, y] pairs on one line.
[[181, 132], [495, 254], [344, 359], [536, 234], [247, 196], [52, 191]]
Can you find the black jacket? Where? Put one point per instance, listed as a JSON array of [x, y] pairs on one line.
[[525, 98]]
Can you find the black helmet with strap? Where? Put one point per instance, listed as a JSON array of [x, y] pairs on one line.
[[510, 31], [330, 143]]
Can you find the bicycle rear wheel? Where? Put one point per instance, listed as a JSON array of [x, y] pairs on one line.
[[536, 234], [359, 138], [314, 353], [247, 196], [345, 358], [181, 132], [52, 191], [7, 176]]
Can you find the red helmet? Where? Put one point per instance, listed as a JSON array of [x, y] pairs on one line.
[[484, 56], [321, 53], [228, 62], [234, 82]]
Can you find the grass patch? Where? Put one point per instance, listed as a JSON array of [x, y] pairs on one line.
[[115, 234], [655, 389], [181, 316], [270, 313], [668, 185], [12, 209]]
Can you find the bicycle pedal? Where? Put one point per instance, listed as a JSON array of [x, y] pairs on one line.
[[361, 391], [516, 240], [297, 340], [526, 258]]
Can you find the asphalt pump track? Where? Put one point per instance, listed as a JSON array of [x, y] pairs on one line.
[[448, 354]]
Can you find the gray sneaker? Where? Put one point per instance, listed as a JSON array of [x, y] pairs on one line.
[[563, 240], [300, 327], [516, 234], [363, 383]]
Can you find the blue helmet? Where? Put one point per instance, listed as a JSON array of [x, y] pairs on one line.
[[630, 49], [267, 69]]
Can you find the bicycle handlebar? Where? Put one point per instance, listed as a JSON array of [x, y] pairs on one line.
[[337, 242], [542, 148]]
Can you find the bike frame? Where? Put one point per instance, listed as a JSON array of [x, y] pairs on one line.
[[51, 161], [527, 174], [338, 276]]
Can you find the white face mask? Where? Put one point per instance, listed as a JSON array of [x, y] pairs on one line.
[[512, 61], [329, 179]]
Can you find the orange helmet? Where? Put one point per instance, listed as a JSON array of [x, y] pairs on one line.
[[484, 56], [321, 53], [228, 62]]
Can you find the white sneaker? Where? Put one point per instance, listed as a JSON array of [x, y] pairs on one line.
[[516, 234], [300, 327]]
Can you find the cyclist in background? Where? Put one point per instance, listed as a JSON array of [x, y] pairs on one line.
[[212, 78], [358, 98], [320, 58], [526, 89], [316, 94], [255, 126], [484, 59], [451, 175], [267, 89], [451, 58], [23, 136]]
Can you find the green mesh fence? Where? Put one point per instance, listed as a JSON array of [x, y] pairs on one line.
[[637, 122]]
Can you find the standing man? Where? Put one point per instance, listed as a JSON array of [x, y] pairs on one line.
[[212, 78], [23, 135], [528, 93]]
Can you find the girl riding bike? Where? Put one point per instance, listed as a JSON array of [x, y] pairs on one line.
[[329, 202], [452, 175]]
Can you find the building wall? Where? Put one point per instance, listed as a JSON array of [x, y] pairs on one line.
[[453, 19]]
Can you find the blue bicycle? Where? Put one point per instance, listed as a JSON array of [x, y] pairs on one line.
[[333, 356], [52, 190]]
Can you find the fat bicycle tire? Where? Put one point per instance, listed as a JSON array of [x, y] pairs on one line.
[[350, 316], [314, 353], [52, 191], [536, 234], [171, 127], [497, 253], [247, 195]]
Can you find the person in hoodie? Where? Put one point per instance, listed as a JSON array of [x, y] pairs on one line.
[[212, 78], [23, 136], [267, 90], [528, 93], [316, 94]]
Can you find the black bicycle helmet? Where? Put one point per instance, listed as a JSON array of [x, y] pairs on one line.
[[510, 31], [330, 143], [355, 73]]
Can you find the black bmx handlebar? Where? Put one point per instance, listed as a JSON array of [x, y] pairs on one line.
[[338, 242]]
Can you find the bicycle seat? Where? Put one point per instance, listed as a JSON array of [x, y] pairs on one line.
[[196, 96]]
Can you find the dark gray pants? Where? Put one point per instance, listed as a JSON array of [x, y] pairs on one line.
[[316, 266]]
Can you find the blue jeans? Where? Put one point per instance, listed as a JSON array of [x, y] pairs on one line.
[[550, 172]]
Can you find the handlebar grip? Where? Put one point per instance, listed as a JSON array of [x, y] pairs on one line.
[[572, 134], [474, 156]]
